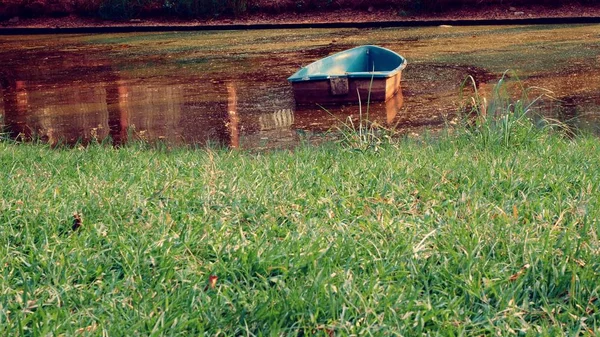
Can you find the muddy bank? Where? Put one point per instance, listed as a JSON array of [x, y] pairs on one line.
[[370, 14]]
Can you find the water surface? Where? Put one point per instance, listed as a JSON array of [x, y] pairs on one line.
[[229, 87]]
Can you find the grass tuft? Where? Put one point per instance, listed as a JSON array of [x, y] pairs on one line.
[[509, 117]]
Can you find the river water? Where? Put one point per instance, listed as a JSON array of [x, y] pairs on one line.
[[229, 88]]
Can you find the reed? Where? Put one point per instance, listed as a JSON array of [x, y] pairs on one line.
[[509, 116], [362, 134]]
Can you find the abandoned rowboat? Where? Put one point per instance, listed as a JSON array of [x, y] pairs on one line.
[[348, 75]]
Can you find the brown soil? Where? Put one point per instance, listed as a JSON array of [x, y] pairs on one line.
[[345, 15]]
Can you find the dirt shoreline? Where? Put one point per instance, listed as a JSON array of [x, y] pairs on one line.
[[337, 16]]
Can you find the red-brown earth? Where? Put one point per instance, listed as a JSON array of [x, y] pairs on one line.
[[340, 15]]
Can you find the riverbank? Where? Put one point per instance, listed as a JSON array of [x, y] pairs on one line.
[[312, 17], [480, 231]]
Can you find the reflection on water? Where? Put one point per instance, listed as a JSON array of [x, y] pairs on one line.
[[578, 114], [234, 120], [225, 113]]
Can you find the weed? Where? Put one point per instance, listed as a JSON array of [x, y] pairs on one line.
[[363, 134], [503, 118]]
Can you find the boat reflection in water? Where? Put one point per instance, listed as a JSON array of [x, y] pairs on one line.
[[322, 119], [224, 113]]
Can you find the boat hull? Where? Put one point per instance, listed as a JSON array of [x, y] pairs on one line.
[[323, 91]]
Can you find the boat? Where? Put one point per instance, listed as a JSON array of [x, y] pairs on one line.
[[364, 72]]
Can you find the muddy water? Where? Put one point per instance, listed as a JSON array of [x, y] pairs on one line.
[[229, 88]]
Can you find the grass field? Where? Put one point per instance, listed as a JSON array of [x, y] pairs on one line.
[[491, 229]]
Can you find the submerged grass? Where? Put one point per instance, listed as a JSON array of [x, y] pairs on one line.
[[457, 235]]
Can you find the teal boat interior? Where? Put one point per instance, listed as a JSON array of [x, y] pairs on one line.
[[360, 62]]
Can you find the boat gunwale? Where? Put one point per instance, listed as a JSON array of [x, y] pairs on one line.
[[355, 74]]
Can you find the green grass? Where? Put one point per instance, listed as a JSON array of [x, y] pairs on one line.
[[491, 229]]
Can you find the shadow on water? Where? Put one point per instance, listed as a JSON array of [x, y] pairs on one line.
[[215, 88]]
